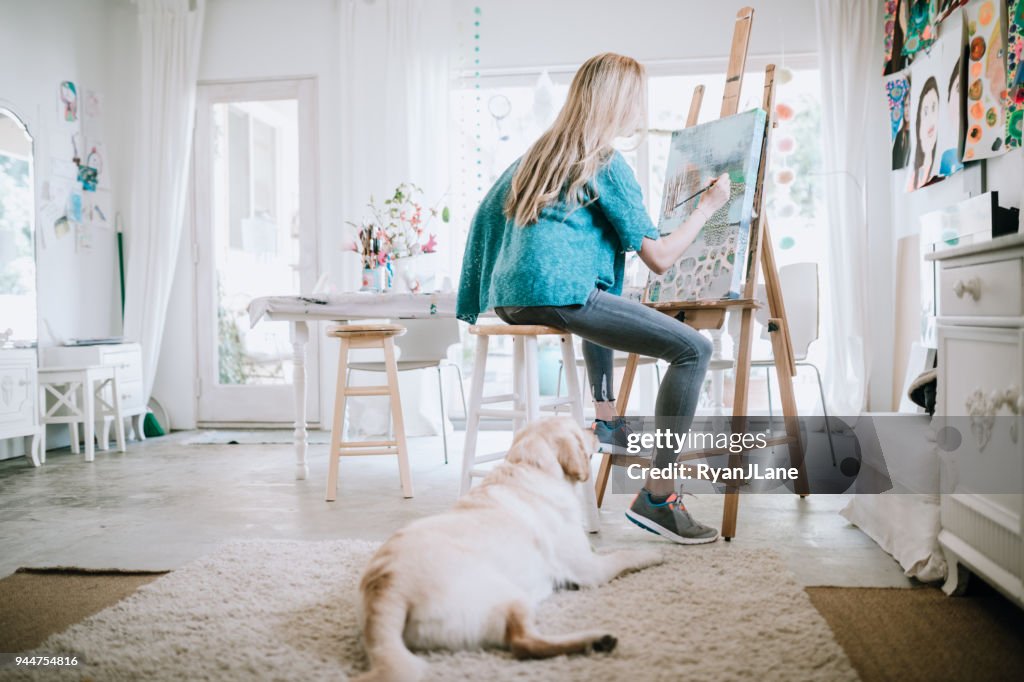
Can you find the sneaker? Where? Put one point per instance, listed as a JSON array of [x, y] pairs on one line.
[[613, 437], [669, 519]]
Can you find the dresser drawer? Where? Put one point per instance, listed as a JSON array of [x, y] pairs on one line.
[[131, 394], [973, 359], [17, 394], [982, 289]]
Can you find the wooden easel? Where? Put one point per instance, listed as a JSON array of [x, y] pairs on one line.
[[711, 314]]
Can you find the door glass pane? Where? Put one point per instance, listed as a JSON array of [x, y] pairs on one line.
[[256, 233]]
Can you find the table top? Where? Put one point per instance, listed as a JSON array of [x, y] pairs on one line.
[[353, 305]]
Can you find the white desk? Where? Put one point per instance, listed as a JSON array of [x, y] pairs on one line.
[[299, 311]]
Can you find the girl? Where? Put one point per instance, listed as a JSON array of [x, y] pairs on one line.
[[547, 246], [927, 129]]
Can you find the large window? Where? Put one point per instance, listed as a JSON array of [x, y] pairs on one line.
[[497, 119]]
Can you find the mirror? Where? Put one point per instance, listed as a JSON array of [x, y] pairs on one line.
[[17, 234]]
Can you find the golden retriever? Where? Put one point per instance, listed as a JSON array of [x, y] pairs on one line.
[[473, 576]]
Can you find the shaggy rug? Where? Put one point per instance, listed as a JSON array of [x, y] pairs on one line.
[[286, 611]]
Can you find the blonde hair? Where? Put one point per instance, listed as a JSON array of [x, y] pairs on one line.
[[607, 99]]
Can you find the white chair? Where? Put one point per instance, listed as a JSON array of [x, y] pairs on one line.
[[81, 395], [525, 399], [424, 346]]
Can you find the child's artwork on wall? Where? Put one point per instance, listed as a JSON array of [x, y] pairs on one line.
[[67, 102], [949, 50], [945, 9], [926, 116], [920, 31], [897, 91], [1014, 73], [985, 81], [895, 28], [713, 267]]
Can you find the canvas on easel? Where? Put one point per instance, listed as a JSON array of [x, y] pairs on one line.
[[712, 266]]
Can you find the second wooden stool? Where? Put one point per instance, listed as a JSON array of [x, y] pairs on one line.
[[367, 336]]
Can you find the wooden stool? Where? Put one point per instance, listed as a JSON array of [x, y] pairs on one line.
[[80, 396], [525, 398], [367, 336]]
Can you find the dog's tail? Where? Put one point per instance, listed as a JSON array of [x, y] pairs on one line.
[[384, 616]]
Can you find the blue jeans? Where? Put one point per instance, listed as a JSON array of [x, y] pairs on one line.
[[607, 322]]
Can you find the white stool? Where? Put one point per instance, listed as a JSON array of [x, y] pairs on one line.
[[525, 398], [79, 397]]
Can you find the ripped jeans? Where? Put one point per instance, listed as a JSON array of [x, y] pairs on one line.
[[607, 322]]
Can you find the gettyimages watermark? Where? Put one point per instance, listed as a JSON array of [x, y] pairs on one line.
[[808, 455]]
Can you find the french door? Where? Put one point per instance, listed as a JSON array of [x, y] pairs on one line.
[[254, 230]]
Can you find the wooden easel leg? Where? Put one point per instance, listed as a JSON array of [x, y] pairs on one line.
[[780, 351], [739, 420]]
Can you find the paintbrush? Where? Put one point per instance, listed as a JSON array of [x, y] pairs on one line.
[[694, 195]]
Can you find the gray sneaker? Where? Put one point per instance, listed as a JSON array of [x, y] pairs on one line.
[[669, 519]]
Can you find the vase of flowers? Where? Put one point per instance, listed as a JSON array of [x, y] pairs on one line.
[[395, 232]]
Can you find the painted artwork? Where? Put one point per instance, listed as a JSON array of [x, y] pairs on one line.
[[945, 10], [68, 102], [897, 92], [949, 51], [926, 116], [895, 24], [985, 80], [713, 267], [920, 29], [1014, 73]]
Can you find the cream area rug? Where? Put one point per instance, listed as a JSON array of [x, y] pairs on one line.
[[286, 611]]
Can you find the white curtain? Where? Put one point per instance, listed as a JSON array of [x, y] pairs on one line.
[[849, 45], [395, 86], [170, 33]]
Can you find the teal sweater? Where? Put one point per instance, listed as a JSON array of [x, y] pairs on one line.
[[561, 258]]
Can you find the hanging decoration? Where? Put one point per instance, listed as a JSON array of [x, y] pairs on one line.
[[1014, 72], [920, 27], [985, 82]]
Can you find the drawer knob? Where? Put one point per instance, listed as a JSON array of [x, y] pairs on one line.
[[971, 287]]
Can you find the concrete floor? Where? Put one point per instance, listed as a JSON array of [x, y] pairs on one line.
[[172, 499]]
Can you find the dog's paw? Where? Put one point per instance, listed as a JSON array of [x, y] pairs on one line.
[[605, 645]]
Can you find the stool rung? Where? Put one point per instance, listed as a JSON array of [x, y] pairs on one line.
[[368, 451], [501, 413], [493, 457], [367, 390], [506, 398], [369, 444]]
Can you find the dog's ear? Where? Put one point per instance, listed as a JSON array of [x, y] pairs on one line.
[[574, 447], [533, 446]]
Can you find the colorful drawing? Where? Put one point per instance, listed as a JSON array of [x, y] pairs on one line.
[[926, 117], [945, 10], [985, 80], [1015, 73], [948, 50], [714, 266], [897, 91], [68, 101], [895, 29], [920, 31]]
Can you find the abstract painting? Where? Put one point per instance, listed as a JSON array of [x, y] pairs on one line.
[[1014, 73], [714, 265], [920, 31], [985, 80], [897, 92], [926, 116]]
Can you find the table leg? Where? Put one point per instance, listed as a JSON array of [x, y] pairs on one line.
[[300, 336]]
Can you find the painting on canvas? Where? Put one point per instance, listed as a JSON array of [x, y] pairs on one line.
[[713, 267], [949, 50], [985, 80], [897, 92]]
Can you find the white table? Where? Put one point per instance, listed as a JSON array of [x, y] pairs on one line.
[[299, 311]]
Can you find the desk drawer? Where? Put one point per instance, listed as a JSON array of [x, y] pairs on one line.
[[983, 289], [131, 394], [127, 362]]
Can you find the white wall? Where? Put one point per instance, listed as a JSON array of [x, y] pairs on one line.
[[43, 43]]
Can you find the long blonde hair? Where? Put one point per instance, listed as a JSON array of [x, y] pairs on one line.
[[607, 99]]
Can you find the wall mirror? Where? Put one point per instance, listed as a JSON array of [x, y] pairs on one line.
[[17, 234]]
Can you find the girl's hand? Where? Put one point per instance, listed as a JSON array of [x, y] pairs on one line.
[[716, 197]]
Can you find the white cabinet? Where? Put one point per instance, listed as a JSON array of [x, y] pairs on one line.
[[980, 379], [126, 358], [19, 417]]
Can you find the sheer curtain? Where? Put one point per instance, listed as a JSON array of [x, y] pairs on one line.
[[170, 33], [849, 44], [395, 128]]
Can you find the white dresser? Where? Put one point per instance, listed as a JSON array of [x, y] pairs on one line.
[[981, 375], [125, 357], [19, 417]]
